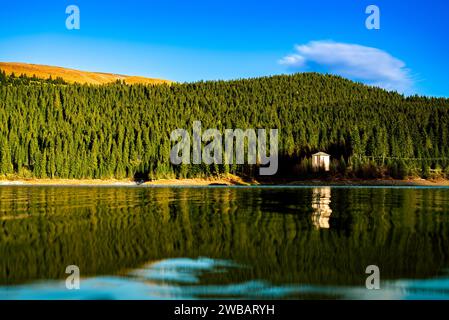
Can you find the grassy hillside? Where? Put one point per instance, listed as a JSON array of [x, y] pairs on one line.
[[117, 130], [71, 75]]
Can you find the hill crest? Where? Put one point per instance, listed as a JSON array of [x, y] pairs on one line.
[[73, 75]]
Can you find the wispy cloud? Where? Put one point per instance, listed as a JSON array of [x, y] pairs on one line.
[[369, 65]]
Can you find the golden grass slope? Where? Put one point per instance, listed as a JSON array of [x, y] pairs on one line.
[[72, 75]]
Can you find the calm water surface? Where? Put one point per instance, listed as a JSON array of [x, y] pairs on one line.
[[194, 243]]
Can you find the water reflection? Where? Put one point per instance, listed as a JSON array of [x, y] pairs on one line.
[[182, 270], [321, 199], [183, 278], [259, 242]]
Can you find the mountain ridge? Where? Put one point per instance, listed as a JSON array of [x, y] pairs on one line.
[[73, 75]]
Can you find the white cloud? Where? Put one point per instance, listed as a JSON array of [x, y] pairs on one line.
[[369, 65]]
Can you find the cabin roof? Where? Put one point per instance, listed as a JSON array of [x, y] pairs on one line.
[[321, 154]]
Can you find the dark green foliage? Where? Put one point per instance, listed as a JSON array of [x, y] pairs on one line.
[[446, 172], [425, 171], [51, 129], [25, 80], [3, 77], [369, 170], [398, 169]]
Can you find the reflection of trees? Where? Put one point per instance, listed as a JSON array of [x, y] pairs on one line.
[[107, 230]]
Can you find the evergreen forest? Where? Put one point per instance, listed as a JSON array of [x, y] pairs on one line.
[[52, 129]]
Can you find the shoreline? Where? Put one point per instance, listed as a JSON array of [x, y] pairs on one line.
[[221, 181], [225, 181]]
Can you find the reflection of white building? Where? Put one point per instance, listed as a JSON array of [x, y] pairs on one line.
[[321, 198], [320, 161]]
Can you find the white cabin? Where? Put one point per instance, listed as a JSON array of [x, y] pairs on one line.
[[321, 161]]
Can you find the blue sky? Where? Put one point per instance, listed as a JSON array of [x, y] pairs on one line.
[[202, 40]]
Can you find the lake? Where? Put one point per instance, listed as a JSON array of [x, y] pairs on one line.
[[224, 242]]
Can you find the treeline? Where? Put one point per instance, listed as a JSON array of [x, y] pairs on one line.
[[24, 79], [49, 128]]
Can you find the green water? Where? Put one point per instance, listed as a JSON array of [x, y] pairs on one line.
[[221, 242]]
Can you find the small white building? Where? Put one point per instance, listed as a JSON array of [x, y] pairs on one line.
[[321, 161]]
